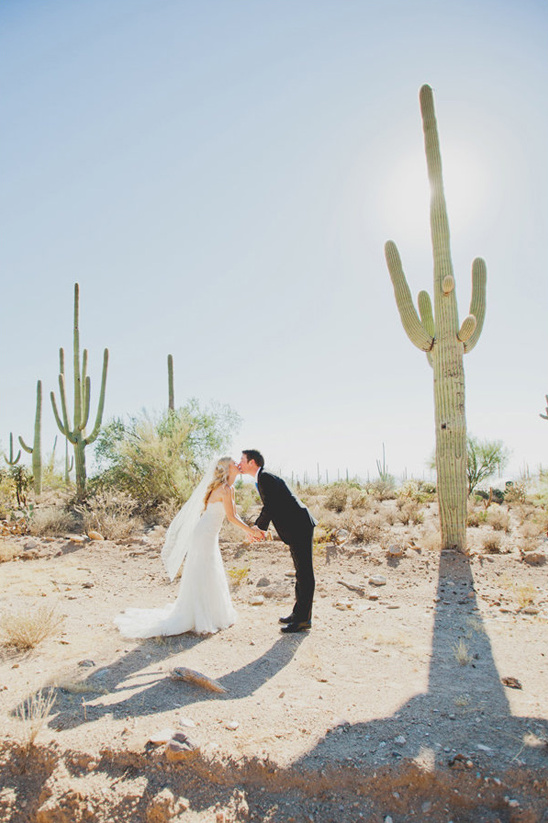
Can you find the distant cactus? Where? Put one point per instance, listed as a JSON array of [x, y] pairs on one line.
[[11, 461], [82, 396], [36, 449], [545, 416], [444, 342], [171, 392]]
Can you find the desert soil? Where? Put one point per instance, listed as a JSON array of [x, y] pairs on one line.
[[393, 707]]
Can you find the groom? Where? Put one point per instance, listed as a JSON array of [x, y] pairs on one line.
[[295, 526]]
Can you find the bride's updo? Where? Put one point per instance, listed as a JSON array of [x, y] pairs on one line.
[[220, 477]]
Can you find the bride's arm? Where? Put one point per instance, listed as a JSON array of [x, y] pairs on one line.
[[230, 510]]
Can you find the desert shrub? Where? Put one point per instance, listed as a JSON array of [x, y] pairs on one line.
[[421, 491], [154, 461], [411, 512], [34, 712], [532, 528], [336, 498], [492, 543], [113, 514], [368, 530], [382, 489], [499, 520], [23, 630], [359, 499], [247, 497], [7, 551], [476, 517], [51, 520], [515, 492]]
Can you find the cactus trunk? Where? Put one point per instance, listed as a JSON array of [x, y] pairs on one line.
[[171, 391], [438, 334]]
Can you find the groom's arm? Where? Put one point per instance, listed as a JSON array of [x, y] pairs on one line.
[[268, 490]]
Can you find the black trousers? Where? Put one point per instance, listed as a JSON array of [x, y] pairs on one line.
[[301, 553]]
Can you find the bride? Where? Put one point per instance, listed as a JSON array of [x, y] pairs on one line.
[[203, 604]]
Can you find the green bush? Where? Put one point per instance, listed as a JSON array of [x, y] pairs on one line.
[[157, 461]]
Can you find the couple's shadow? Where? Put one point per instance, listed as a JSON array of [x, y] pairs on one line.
[[141, 691]]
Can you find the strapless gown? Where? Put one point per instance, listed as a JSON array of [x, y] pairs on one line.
[[203, 604]]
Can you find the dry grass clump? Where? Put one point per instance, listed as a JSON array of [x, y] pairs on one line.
[[360, 500], [526, 595], [411, 512], [34, 712], [422, 491], [237, 576], [462, 652], [499, 520], [23, 630], [51, 520], [492, 544], [112, 514], [7, 551], [532, 529], [369, 530], [515, 492]]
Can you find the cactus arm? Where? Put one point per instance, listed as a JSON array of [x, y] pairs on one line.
[[86, 404], [478, 301], [98, 420], [24, 445], [78, 398], [426, 315], [545, 416], [11, 461], [409, 317], [467, 329]]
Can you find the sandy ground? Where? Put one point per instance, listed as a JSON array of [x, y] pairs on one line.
[[372, 715]]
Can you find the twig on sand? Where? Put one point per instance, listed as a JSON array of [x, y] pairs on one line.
[[199, 679], [359, 589]]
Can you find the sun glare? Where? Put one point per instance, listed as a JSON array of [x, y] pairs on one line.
[[406, 196]]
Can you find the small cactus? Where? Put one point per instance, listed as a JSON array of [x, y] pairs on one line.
[[36, 449], [445, 342], [545, 416]]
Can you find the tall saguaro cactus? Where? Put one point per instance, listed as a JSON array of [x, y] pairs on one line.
[[82, 397], [36, 448], [445, 342]]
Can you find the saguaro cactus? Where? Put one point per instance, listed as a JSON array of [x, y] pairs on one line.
[[171, 392], [36, 449], [11, 461], [439, 335], [82, 396]]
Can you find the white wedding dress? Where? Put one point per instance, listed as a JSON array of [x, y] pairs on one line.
[[203, 604]]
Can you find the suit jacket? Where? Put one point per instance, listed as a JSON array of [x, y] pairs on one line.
[[289, 515]]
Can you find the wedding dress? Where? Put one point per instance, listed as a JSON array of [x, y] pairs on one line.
[[203, 604]]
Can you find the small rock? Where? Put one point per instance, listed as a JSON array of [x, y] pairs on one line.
[[400, 740], [530, 610], [343, 604], [483, 748], [30, 544], [257, 600], [262, 582], [426, 806], [93, 535], [395, 551], [388, 819], [157, 738], [377, 580], [186, 721], [231, 725], [534, 558], [180, 748], [86, 663]]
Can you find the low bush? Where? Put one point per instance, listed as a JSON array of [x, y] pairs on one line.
[[112, 514]]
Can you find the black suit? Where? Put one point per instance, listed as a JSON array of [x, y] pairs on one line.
[[295, 525]]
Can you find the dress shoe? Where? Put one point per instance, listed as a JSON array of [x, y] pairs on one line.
[[291, 628], [290, 619]]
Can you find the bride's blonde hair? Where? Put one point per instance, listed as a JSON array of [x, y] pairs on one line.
[[220, 477]]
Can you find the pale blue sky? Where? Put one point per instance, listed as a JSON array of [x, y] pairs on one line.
[[221, 177]]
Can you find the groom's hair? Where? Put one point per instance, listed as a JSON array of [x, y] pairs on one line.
[[253, 454]]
